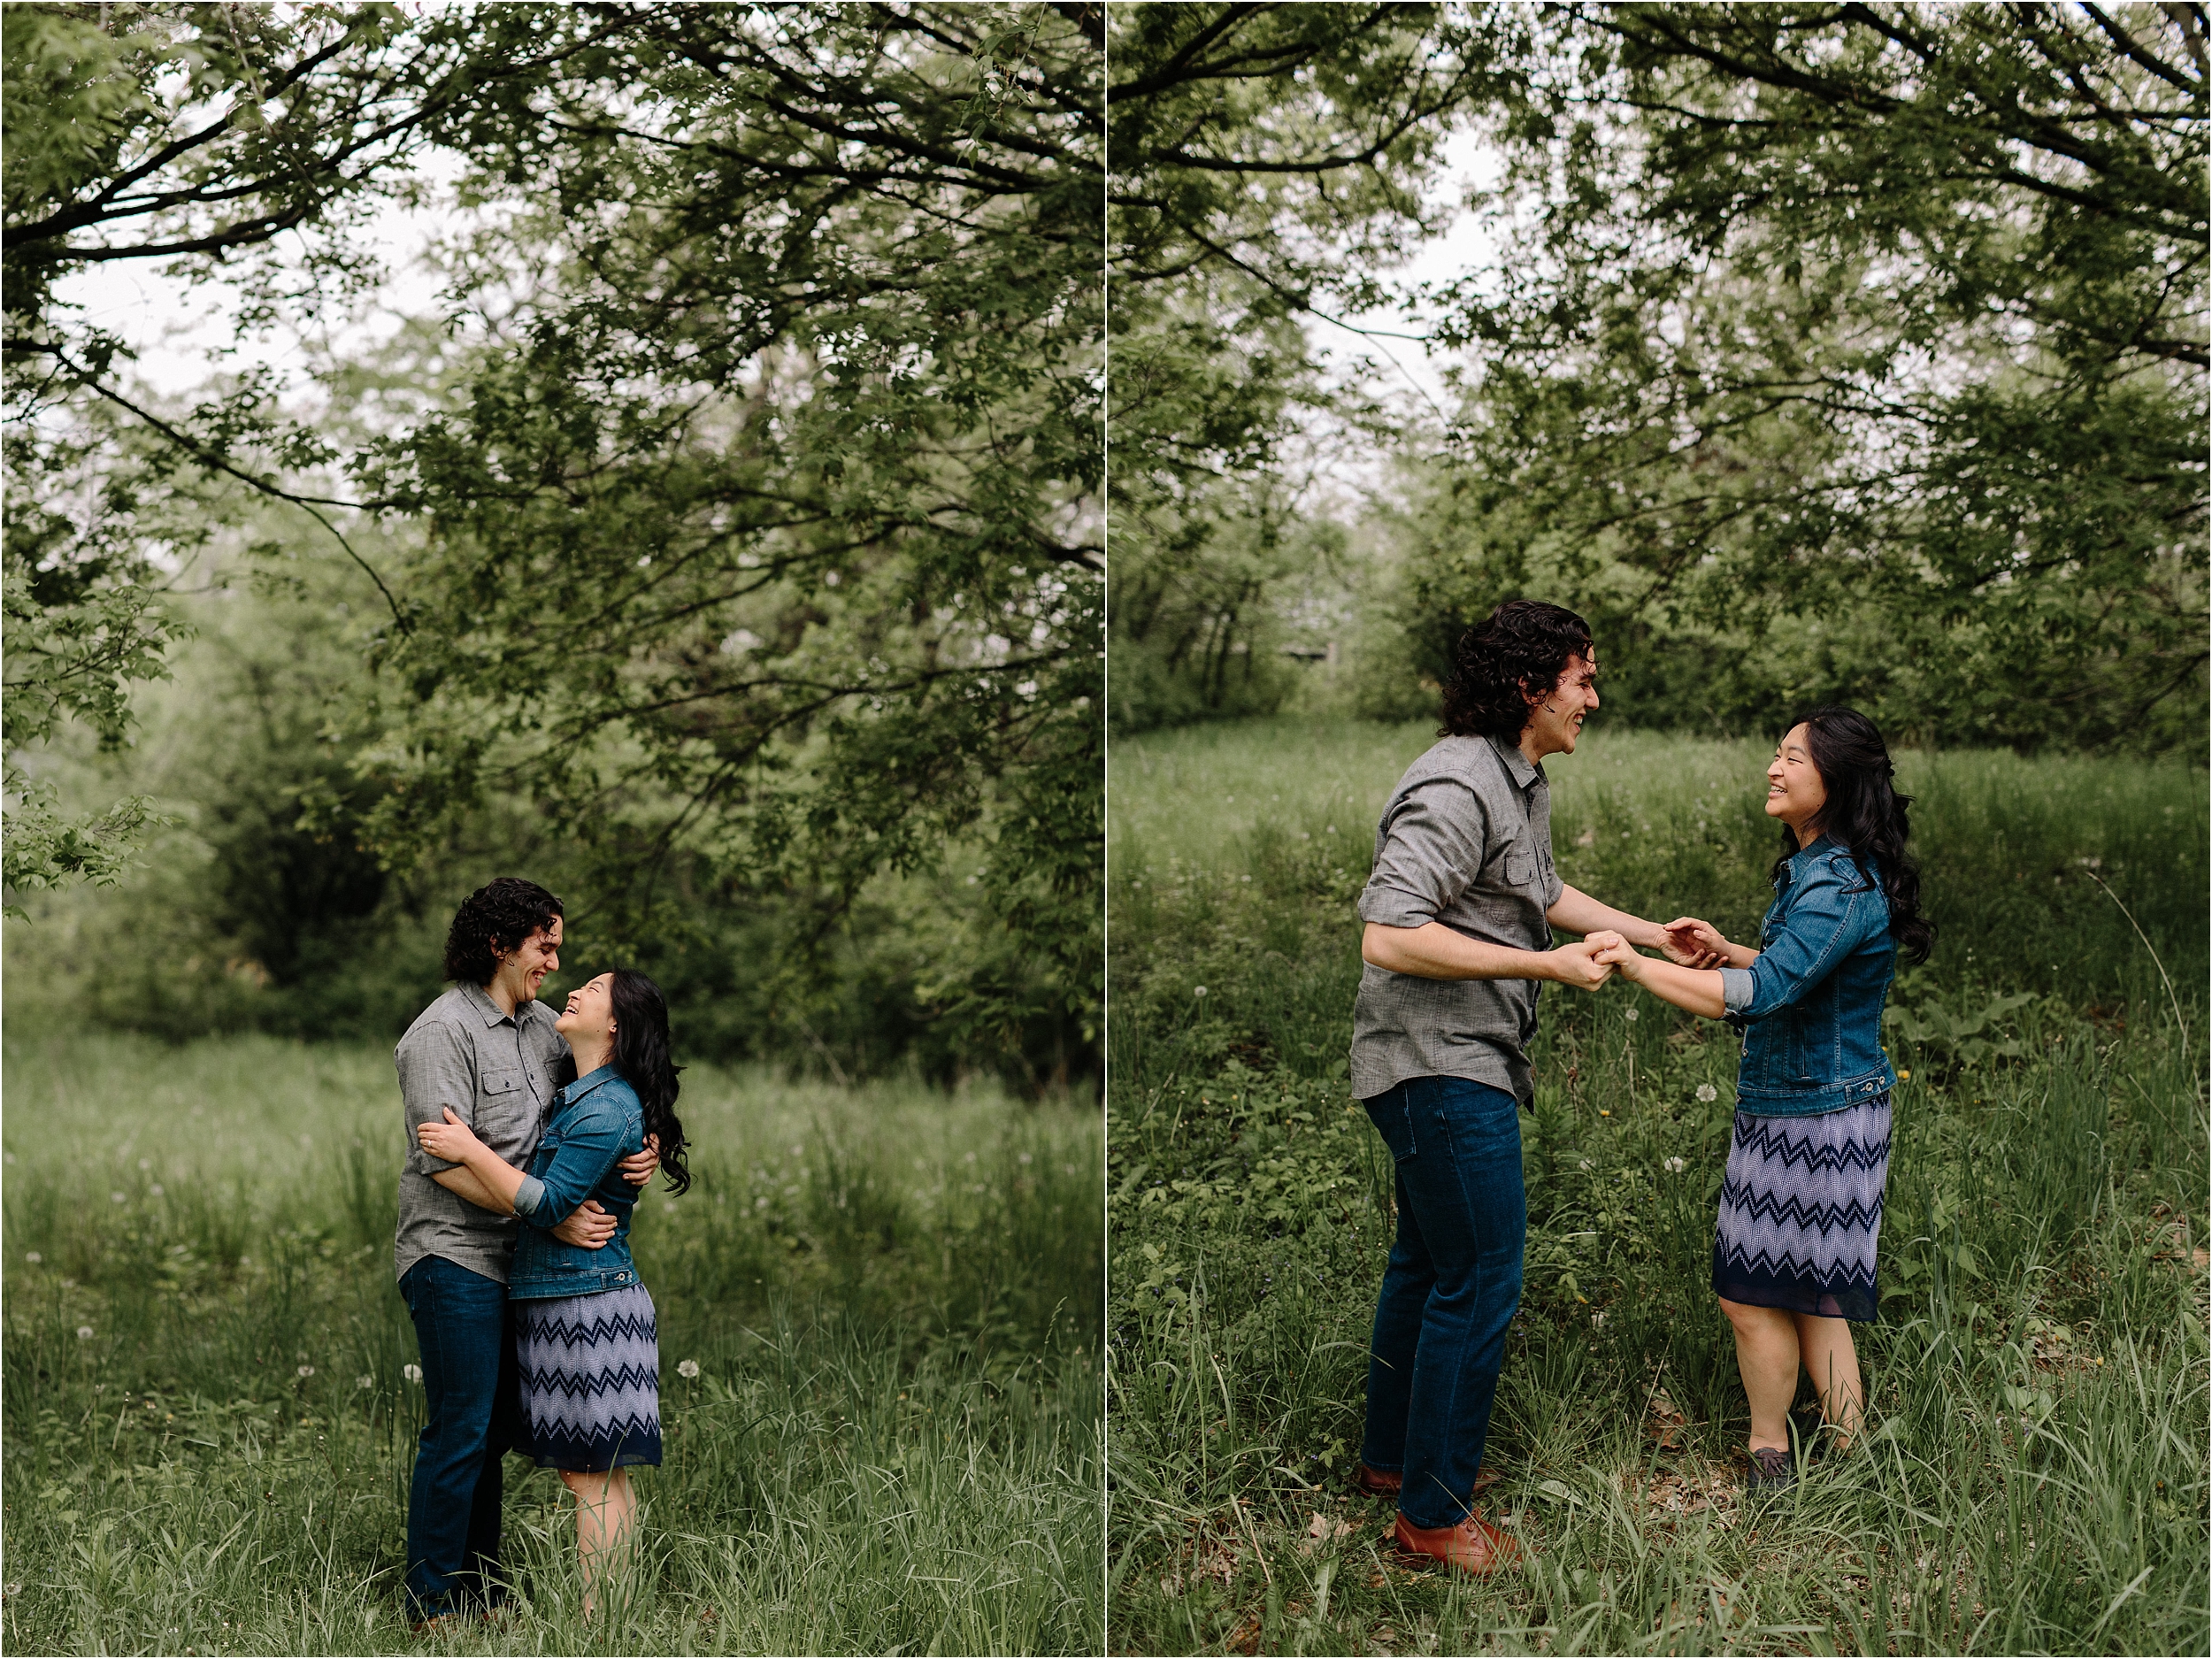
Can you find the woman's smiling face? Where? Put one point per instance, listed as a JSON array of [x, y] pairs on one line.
[[590, 1011], [1796, 792]]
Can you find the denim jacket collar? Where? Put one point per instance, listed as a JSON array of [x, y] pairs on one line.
[[574, 1092]]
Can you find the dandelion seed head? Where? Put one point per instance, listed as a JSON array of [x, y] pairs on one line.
[[364, 1381], [84, 1334], [305, 1372], [413, 1373], [688, 1369], [1632, 1016], [1706, 1093], [35, 1257]]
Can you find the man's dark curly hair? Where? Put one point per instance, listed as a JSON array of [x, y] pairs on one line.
[[1508, 662], [493, 920]]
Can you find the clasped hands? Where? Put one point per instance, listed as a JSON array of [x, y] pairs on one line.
[[589, 1226], [1686, 941]]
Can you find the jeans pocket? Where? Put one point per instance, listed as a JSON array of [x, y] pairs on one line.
[[1393, 1118]]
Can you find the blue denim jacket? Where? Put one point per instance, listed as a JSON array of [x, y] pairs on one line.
[[1810, 1004], [591, 1126]]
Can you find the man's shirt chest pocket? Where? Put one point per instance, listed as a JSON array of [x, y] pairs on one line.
[[501, 1092]]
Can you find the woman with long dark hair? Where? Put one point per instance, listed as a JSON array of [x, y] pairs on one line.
[[585, 1336], [1800, 1209]]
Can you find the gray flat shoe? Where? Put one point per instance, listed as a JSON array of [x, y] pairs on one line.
[[1773, 1474]]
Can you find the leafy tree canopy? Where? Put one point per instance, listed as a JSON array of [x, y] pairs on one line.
[[744, 514], [1878, 327]]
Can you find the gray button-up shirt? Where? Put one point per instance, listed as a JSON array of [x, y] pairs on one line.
[[1465, 840], [496, 1072]]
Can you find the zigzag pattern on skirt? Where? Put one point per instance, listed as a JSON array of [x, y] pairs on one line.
[[543, 1384], [1786, 1140], [543, 1330], [1749, 1209], [1786, 1267], [591, 1378]]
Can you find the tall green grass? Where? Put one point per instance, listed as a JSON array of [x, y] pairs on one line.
[[890, 1294], [2035, 1479]]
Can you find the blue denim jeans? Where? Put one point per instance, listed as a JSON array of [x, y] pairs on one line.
[[1449, 1291], [472, 1386]]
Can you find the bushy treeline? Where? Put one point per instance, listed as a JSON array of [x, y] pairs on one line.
[[259, 909]]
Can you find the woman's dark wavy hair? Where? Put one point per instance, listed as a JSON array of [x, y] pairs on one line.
[[493, 920], [641, 1055], [1866, 815], [1508, 662]]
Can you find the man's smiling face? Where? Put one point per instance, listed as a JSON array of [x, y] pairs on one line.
[[1556, 722], [537, 957]]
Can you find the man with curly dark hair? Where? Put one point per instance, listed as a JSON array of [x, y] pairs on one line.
[[1459, 914], [488, 1049]]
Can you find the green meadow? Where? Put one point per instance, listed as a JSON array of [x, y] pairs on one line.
[[2034, 1475], [889, 1294]]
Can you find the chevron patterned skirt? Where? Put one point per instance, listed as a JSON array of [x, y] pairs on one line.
[[1800, 1211], [591, 1380]]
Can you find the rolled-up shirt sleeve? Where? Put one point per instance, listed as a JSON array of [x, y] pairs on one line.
[[1832, 916], [436, 1071], [1431, 849], [590, 1146]]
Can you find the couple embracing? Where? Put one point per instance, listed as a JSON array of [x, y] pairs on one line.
[[1459, 915], [530, 1135]]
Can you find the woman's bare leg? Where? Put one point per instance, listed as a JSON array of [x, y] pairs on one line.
[[1833, 1363], [606, 1520], [1767, 1357]]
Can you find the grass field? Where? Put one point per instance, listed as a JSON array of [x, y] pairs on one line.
[[2035, 1474], [892, 1443]]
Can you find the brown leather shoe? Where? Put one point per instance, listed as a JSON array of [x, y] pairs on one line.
[[1379, 1483], [1472, 1545]]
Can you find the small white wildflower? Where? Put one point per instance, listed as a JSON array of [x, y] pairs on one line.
[[84, 1334], [413, 1373], [1201, 991], [1025, 1158], [1706, 1093], [688, 1369], [116, 1198], [364, 1381], [155, 1189], [1675, 1166], [145, 1163], [34, 1258], [306, 1372], [1631, 1016], [969, 1159]]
